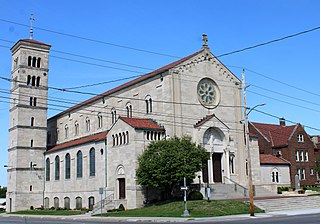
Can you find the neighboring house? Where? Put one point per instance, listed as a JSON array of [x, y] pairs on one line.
[[65, 160], [274, 170], [293, 144]]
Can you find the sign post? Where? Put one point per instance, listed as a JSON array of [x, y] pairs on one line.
[[185, 188], [101, 193]]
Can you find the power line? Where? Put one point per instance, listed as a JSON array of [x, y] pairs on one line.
[[91, 40]]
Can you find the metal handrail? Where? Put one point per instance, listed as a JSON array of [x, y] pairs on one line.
[[245, 190]]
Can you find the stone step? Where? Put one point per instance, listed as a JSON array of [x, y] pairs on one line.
[[292, 203]]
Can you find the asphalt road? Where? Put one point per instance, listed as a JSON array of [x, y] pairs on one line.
[[309, 219]]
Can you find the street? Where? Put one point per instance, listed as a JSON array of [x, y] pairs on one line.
[[309, 218]]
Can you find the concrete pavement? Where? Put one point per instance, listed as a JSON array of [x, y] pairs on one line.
[[170, 219]]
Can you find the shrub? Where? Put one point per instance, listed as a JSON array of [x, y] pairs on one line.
[[280, 189], [195, 195], [121, 207]]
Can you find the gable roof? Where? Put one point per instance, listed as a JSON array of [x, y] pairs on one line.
[[207, 118], [267, 159], [130, 83], [91, 138], [142, 123], [276, 134]]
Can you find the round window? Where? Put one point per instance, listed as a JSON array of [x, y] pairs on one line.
[[208, 93]]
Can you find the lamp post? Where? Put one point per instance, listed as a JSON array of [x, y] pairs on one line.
[[246, 127]]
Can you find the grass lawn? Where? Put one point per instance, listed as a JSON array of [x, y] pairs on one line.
[[201, 208], [49, 212]]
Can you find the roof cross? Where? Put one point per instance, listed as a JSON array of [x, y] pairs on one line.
[[205, 41], [31, 29]]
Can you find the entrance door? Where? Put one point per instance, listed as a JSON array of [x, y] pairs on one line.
[[216, 160], [122, 188]]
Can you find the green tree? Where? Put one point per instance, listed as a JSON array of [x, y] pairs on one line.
[[3, 191], [165, 163]]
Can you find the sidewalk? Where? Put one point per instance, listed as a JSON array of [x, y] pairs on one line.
[[87, 217]]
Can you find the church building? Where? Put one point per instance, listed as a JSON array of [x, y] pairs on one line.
[[90, 150]]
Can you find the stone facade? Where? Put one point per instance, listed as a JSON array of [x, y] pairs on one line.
[[196, 96]]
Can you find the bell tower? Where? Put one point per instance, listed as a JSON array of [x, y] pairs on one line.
[[28, 125]]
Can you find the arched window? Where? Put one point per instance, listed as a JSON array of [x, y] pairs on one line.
[[35, 101], [38, 62], [33, 81], [87, 124], [120, 139], [38, 81], [76, 128], [232, 163], [56, 202], [79, 164], [99, 120], [67, 166], [29, 60], [31, 143], [148, 101], [117, 140], [91, 202], [47, 169], [127, 137], [66, 203], [29, 80], [57, 168], [129, 110], [34, 61], [92, 162], [113, 115], [275, 176], [113, 140], [66, 131], [31, 101], [124, 138], [78, 203], [32, 122], [46, 202]]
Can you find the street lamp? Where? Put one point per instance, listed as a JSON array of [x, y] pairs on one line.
[[249, 156]]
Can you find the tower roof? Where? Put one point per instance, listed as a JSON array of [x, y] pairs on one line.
[[31, 43]]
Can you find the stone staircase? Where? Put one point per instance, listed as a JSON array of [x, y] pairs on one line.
[[290, 203]]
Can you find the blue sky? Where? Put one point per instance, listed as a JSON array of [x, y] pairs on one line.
[[285, 77]]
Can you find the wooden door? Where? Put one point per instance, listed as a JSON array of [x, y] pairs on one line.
[[216, 160]]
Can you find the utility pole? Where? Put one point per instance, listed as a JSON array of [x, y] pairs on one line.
[[246, 129]]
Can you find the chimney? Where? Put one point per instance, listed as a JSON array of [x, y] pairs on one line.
[[282, 122]]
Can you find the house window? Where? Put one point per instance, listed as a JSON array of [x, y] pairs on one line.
[[92, 162], [148, 101], [79, 164], [303, 174], [298, 173], [306, 156], [67, 166], [87, 124], [47, 169], [300, 138], [99, 120], [311, 171], [301, 156], [297, 155], [57, 168]]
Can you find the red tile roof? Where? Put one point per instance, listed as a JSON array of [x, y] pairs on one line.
[[91, 138], [128, 84], [270, 159], [142, 123], [276, 134]]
